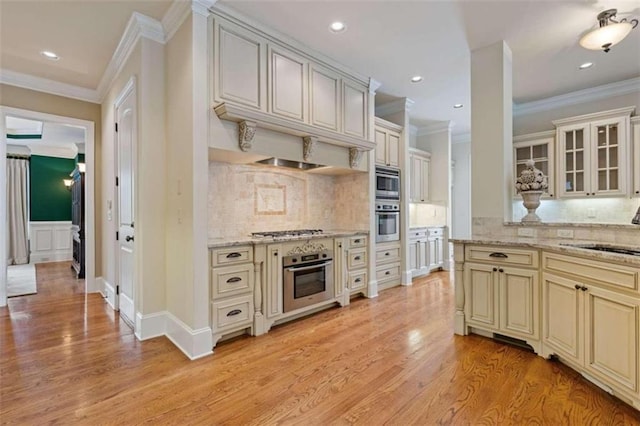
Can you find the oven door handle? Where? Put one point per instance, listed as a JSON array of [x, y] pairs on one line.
[[305, 268]]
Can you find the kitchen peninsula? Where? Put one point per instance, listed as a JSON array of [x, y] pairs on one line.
[[576, 300]]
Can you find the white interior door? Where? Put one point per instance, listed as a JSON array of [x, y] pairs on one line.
[[126, 139]]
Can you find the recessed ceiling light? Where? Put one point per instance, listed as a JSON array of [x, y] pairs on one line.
[[416, 79], [337, 27], [585, 65], [50, 55], [456, 106]]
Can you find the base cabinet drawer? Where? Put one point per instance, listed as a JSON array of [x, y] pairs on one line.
[[504, 255], [388, 272], [357, 259], [357, 280], [231, 255], [357, 241], [385, 254], [232, 312], [231, 280]]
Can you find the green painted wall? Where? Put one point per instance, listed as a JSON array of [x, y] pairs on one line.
[[79, 158], [50, 199]]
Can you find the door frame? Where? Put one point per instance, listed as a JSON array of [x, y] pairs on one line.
[[130, 87], [90, 219]]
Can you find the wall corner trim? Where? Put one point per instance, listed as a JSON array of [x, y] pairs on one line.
[[193, 343]]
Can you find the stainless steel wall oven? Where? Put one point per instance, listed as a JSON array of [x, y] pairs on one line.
[[308, 279], [387, 221]]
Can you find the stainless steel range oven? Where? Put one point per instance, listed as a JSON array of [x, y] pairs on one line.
[[308, 279]]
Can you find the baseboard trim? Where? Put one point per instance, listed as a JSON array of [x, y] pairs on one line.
[[108, 291], [50, 256], [193, 343], [150, 325]]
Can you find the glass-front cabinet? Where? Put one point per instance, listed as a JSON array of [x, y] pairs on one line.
[[540, 148], [593, 154]]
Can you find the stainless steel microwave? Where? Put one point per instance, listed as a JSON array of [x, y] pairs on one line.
[[387, 184]]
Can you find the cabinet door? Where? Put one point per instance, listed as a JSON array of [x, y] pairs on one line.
[[415, 181], [519, 301], [354, 109], [324, 98], [381, 147], [608, 146], [611, 339], [562, 316], [635, 165], [542, 152], [433, 253], [238, 66], [423, 255], [425, 164], [439, 252], [339, 267], [287, 84], [481, 295], [574, 160], [413, 255], [393, 149]]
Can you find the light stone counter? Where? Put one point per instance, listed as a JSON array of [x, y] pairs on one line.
[[574, 225], [559, 246], [245, 240]]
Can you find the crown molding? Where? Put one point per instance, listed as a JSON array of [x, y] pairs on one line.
[[461, 138], [535, 136], [374, 85], [177, 13], [45, 85], [602, 115], [399, 105], [619, 88], [139, 25], [443, 126], [413, 130], [202, 7]]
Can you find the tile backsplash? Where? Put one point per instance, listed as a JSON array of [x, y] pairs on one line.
[[427, 215], [245, 198]]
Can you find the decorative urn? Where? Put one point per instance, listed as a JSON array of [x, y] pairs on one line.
[[531, 184]]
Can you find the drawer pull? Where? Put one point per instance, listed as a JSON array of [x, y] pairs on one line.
[[499, 255], [234, 312], [234, 279], [356, 241], [357, 280], [387, 254], [233, 255], [388, 273], [356, 258]]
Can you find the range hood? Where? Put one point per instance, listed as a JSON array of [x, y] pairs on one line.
[[281, 162]]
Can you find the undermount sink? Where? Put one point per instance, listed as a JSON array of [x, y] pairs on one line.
[[610, 249]]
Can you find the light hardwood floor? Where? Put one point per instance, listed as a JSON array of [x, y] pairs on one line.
[[67, 358]]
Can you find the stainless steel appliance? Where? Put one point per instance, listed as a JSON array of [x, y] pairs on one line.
[[308, 279], [387, 184], [387, 221]]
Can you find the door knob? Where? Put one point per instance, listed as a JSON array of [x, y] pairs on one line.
[[128, 238]]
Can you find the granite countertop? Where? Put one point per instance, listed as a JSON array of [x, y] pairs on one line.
[[247, 239], [415, 228], [560, 247], [575, 225]]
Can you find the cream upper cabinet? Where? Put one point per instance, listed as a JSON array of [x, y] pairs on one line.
[[593, 154], [354, 109], [324, 92], [288, 90], [539, 147], [239, 64], [387, 138], [635, 165], [419, 174]]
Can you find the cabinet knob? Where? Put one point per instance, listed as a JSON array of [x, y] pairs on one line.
[[495, 269], [583, 288], [275, 253], [387, 273], [501, 270], [637, 192], [386, 254], [577, 287]]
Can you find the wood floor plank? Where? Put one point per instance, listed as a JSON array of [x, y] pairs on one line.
[[66, 357]]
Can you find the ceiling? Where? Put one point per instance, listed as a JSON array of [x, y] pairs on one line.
[[59, 137], [387, 40]]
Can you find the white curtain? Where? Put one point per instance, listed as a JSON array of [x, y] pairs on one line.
[[17, 221]]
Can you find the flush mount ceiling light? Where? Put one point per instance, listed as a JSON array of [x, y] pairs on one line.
[[456, 106], [585, 65], [416, 79], [50, 55], [337, 27], [609, 33]]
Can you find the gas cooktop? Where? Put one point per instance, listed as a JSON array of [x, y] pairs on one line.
[[288, 233]]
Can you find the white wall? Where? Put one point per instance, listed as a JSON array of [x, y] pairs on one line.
[[461, 191]]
